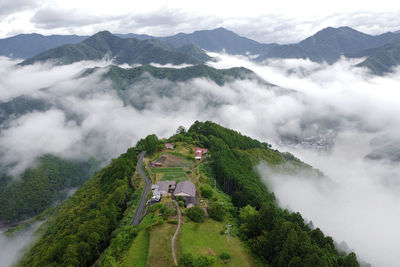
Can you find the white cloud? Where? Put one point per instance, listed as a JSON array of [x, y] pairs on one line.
[[337, 106], [12, 247], [263, 21]]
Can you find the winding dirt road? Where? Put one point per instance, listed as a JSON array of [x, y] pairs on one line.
[[176, 233]]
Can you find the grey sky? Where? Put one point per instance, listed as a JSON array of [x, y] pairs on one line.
[[281, 21]]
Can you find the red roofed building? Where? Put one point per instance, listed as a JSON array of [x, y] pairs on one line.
[[199, 152]]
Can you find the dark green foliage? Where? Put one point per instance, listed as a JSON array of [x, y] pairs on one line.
[[206, 191], [230, 138], [187, 260], [383, 59], [330, 44], [19, 106], [224, 256], [123, 78], [351, 260], [196, 214], [278, 237], [150, 144], [236, 175], [217, 211], [41, 186], [130, 51], [282, 239], [78, 232]]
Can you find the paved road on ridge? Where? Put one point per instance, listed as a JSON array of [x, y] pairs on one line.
[[139, 211]]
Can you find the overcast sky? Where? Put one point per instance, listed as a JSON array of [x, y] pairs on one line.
[[280, 21]]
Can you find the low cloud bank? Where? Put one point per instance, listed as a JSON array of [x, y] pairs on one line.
[[333, 117], [12, 247]]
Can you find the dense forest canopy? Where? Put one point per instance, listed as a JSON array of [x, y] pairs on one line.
[[78, 232], [41, 185]]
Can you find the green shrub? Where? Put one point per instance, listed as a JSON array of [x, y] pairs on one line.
[[217, 211], [173, 222], [224, 256], [187, 260], [196, 214], [206, 191]]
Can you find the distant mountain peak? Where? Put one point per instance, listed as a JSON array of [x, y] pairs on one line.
[[103, 34]]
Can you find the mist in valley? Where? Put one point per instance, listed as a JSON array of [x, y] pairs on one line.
[[337, 118]]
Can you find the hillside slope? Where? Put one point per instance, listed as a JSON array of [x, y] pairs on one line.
[[41, 186], [78, 231], [218, 40], [96, 222], [105, 45], [330, 43], [383, 59]]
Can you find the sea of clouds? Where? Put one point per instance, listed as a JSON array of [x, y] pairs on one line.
[[333, 117]]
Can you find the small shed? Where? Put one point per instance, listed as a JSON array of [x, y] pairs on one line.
[[169, 145], [190, 202], [165, 186]]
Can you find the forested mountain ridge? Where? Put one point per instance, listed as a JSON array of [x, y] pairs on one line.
[[327, 45], [104, 44], [383, 59], [218, 40], [41, 186], [80, 229], [92, 219], [123, 77], [330, 43]]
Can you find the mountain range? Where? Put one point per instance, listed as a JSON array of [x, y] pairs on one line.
[[327, 45], [130, 51]]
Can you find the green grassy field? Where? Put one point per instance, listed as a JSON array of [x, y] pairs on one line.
[[160, 245], [165, 170], [138, 252], [174, 176], [170, 174], [205, 239]]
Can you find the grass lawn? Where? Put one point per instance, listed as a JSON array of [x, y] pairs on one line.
[[174, 176], [165, 170], [138, 252], [160, 245], [207, 240]]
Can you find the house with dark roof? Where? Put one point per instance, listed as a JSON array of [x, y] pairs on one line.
[[163, 187], [185, 189]]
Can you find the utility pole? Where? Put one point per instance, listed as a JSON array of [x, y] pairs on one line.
[[228, 226]]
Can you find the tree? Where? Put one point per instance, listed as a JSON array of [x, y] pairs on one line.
[[180, 130], [186, 260], [217, 211], [196, 214], [351, 260], [206, 191], [203, 261], [150, 144]]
